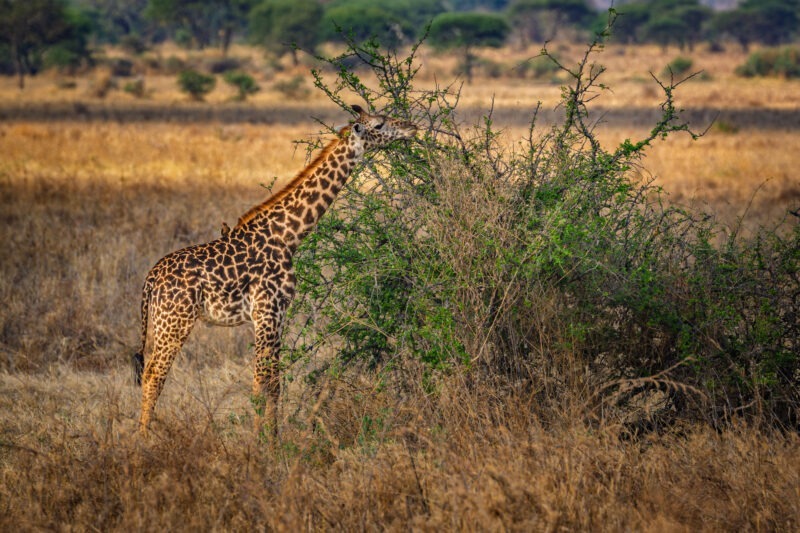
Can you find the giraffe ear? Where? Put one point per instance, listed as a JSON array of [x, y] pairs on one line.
[[358, 109]]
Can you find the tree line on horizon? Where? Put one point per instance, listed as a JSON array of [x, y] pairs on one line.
[[37, 34]]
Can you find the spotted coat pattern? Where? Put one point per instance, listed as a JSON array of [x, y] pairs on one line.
[[246, 275]]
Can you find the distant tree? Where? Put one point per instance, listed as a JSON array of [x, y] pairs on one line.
[[736, 24], [71, 50], [392, 22], [666, 30], [205, 21], [362, 20], [540, 20], [478, 5], [694, 18], [114, 20], [29, 28], [665, 22], [467, 31], [195, 16], [632, 17], [417, 13], [280, 25], [232, 17], [771, 22]]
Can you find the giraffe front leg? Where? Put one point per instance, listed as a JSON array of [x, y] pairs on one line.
[[266, 390], [268, 316]]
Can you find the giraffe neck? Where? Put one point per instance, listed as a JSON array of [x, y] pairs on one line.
[[295, 210]]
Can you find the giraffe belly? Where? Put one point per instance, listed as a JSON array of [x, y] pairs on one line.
[[226, 311]]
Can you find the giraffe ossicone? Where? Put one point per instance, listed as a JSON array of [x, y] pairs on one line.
[[247, 275]]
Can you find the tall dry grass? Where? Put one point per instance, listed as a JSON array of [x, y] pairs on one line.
[[470, 460]]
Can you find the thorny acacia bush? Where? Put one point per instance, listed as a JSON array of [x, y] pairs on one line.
[[549, 270]]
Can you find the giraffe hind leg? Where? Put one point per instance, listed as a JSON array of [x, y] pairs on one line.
[[166, 346]]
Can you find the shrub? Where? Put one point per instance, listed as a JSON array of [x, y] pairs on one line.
[[183, 38], [174, 65], [244, 83], [135, 88], [783, 62], [196, 84], [293, 88], [121, 67], [133, 44], [225, 64], [62, 58], [537, 67], [679, 66], [553, 271], [101, 84]]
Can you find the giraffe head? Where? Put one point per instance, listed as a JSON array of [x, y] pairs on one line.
[[369, 132]]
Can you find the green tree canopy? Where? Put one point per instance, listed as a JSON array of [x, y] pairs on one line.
[[627, 26], [736, 24], [467, 31], [115, 19], [665, 22], [666, 30], [31, 28], [773, 21], [279, 25], [540, 20], [205, 20], [770, 22], [392, 22]]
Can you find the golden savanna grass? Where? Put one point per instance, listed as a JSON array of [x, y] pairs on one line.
[[89, 206]]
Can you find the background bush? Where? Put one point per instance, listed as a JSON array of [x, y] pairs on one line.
[[243, 82], [196, 84], [678, 66], [772, 62]]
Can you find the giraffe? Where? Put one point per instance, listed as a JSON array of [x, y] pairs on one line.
[[246, 275]]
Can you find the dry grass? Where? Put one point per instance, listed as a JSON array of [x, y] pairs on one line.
[[748, 173], [87, 208], [70, 460]]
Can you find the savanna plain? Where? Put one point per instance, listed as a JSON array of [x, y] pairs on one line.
[[91, 197]]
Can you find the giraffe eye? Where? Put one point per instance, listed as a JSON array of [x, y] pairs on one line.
[[379, 126]]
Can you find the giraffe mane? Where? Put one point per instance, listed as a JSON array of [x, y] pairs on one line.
[[295, 182]]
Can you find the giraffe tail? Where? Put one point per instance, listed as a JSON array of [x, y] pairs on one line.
[[138, 357]]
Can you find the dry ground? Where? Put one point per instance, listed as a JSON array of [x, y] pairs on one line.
[[88, 206]]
